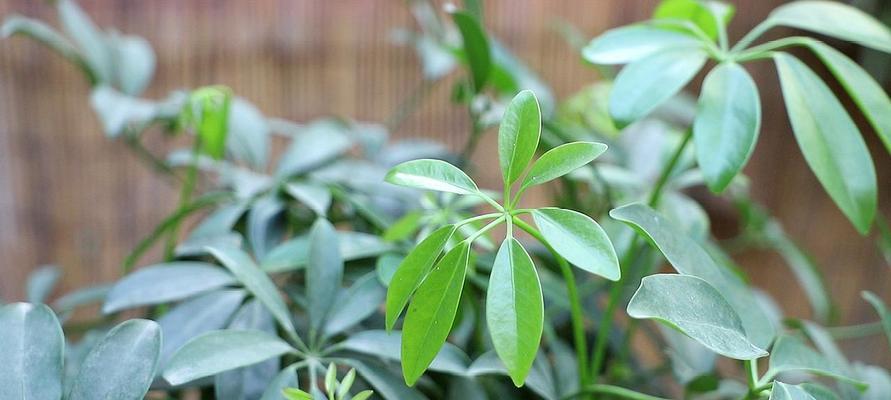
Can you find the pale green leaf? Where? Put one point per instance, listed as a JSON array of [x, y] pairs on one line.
[[562, 160], [432, 312], [286, 378], [476, 48], [219, 351], [385, 383], [312, 146], [316, 197], [252, 381], [830, 141], [648, 82], [783, 391], [294, 253], [540, 379], [134, 62], [88, 37], [727, 124], [709, 16], [836, 19], [41, 283], [247, 137], [631, 43], [355, 304], [43, 33], [121, 366], [579, 239], [324, 273], [697, 309], [432, 174], [31, 349], [163, 283], [515, 309], [197, 316], [413, 270], [881, 309], [518, 135], [387, 345], [790, 353]]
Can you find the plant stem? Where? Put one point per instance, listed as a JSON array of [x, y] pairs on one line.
[[576, 315], [616, 391], [751, 367], [475, 133], [856, 331], [750, 37], [185, 196], [628, 258]]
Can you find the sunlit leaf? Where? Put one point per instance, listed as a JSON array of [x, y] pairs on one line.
[[630, 43], [836, 19], [432, 175], [518, 135], [562, 160], [579, 239]]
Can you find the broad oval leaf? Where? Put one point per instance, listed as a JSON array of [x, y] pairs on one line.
[[689, 258], [432, 312], [790, 353], [432, 175], [197, 316], [164, 283], [412, 270], [695, 308], [562, 160], [41, 283], [515, 309], [134, 62], [518, 135], [631, 43], [579, 239], [220, 351], [785, 391], [324, 273], [122, 365], [386, 345], [727, 124], [869, 96], [648, 82], [830, 141], [836, 19], [257, 282], [476, 48], [31, 347]]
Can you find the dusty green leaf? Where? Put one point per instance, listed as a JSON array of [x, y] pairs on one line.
[[293, 254], [197, 316], [286, 378], [387, 345], [316, 197], [355, 304], [835, 19], [164, 283], [518, 135], [784, 391], [252, 381], [579, 239], [88, 38], [31, 347], [324, 273], [790, 353], [631, 43], [41, 283]]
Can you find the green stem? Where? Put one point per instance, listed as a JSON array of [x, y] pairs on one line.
[[656, 194], [751, 368], [856, 331], [616, 391], [185, 196], [475, 133], [578, 318], [754, 34]]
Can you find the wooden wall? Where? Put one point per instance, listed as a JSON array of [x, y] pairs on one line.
[[70, 196]]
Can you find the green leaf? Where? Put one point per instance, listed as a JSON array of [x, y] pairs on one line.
[[432, 175], [122, 365], [631, 43], [648, 82], [88, 38], [869, 96], [783, 391], [830, 141], [296, 394], [835, 19], [386, 266], [881, 309], [220, 351], [197, 316], [579, 239], [31, 347], [515, 309], [432, 312], [562, 160], [386, 345], [41, 283], [256, 281], [209, 111], [363, 395], [118, 111], [790, 353], [818, 391], [476, 48], [413, 270], [518, 135], [727, 124], [697, 309], [252, 381], [710, 16], [294, 253], [324, 273], [386, 384], [312, 146], [316, 197], [43, 33], [330, 379], [689, 258], [287, 377], [355, 304], [163, 283]]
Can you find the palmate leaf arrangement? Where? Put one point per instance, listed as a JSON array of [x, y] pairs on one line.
[[223, 327]]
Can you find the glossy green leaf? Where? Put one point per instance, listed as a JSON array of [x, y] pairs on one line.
[[631, 43], [476, 48], [562, 160], [727, 124], [518, 135], [355, 304], [324, 273], [579, 239], [31, 347], [220, 351], [697, 309], [256, 281], [88, 37], [869, 96], [296, 394], [790, 353], [122, 365], [432, 312], [387, 345], [648, 82], [163, 283], [432, 175], [709, 16], [784, 391], [195, 317], [835, 19], [881, 309], [294, 253], [515, 309], [209, 111], [830, 141], [413, 270], [689, 258]]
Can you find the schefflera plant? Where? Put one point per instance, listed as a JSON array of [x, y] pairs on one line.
[[430, 286], [664, 54]]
